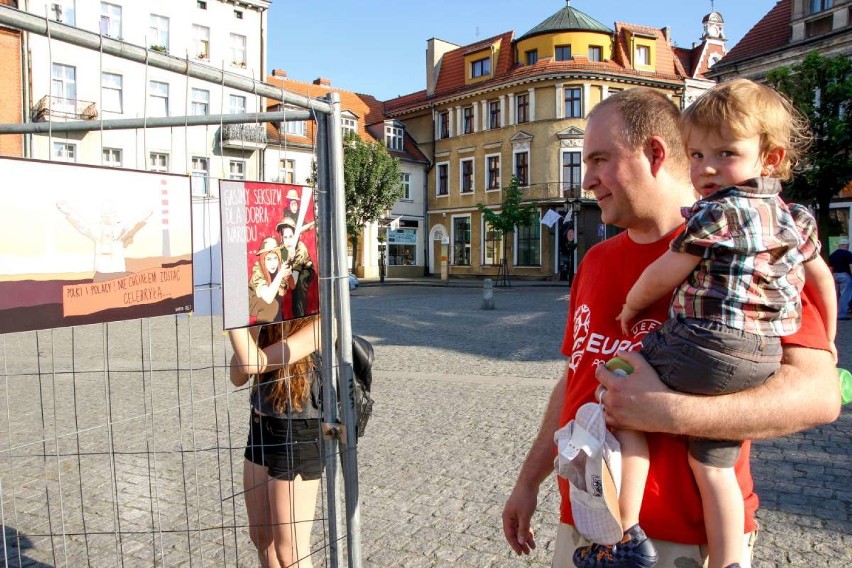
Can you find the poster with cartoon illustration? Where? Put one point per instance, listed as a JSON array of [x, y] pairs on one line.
[[85, 244], [269, 252]]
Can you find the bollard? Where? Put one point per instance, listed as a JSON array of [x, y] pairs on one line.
[[487, 294]]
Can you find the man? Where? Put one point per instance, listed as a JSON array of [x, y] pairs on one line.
[[637, 168], [298, 260], [840, 261]]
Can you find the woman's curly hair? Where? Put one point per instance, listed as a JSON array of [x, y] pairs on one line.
[[291, 384]]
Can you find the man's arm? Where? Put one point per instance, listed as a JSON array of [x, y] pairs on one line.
[[804, 393], [537, 466]]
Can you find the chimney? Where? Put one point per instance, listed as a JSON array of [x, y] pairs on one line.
[[279, 73], [322, 82], [667, 33], [435, 50]]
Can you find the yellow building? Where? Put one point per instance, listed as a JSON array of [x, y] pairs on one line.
[[505, 107]]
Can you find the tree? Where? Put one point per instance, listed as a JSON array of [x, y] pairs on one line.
[[513, 214], [373, 184], [821, 89]]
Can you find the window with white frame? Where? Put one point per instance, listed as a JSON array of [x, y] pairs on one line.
[[493, 114], [643, 55], [467, 120], [201, 39], [442, 179], [493, 163], [287, 171], [236, 169], [63, 84], [466, 175], [444, 125], [461, 241], [111, 157], [158, 98], [63, 11], [111, 92], [65, 151], [529, 242], [110, 20], [295, 127], [573, 102], [158, 162], [158, 33], [349, 125], [200, 101], [200, 175], [406, 186], [522, 167], [393, 136], [492, 239], [571, 172], [522, 106], [237, 104], [595, 53], [238, 50], [480, 67]]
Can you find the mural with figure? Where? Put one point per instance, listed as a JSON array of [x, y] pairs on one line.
[[90, 245]]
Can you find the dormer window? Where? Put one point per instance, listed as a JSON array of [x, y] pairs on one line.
[[480, 67], [595, 53], [643, 55], [349, 125], [562, 53], [532, 56], [393, 135]]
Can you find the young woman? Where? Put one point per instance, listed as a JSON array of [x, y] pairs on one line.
[[283, 460]]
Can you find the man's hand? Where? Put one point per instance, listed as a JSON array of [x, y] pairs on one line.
[[517, 513], [639, 401]]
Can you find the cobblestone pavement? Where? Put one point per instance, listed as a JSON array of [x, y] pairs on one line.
[[459, 394]]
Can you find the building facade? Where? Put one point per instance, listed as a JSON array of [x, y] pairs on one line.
[[511, 107]]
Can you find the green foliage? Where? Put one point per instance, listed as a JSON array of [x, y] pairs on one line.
[[513, 213], [373, 183], [821, 88]]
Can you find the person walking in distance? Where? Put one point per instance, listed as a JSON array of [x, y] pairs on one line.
[[841, 262]]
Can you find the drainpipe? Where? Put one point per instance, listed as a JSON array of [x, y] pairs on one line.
[[26, 78]]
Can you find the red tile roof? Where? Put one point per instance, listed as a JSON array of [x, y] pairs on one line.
[[771, 32]]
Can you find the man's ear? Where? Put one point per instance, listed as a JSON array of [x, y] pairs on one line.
[[771, 160], [656, 150]]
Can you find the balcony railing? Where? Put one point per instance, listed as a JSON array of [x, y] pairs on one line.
[[57, 107], [244, 136], [555, 191]]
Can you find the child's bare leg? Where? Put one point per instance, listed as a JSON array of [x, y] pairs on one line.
[[722, 501], [634, 474]]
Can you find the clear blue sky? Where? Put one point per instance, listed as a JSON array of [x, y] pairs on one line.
[[378, 47]]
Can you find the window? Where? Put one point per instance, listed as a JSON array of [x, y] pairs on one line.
[[111, 92], [461, 241], [158, 162], [522, 168], [200, 173], [523, 107], [571, 174], [820, 5], [201, 37], [442, 182], [65, 151], [295, 127], [158, 98], [200, 102], [393, 136], [611, 91], [111, 157], [532, 56], [63, 84], [238, 14], [480, 67], [643, 55], [202, 5], [573, 102], [287, 171], [444, 121], [238, 104], [819, 26], [494, 114], [466, 172], [406, 186], [238, 50], [493, 171], [110, 20], [158, 33], [492, 238], [63, 11], [595, 53], [402, 247], [529, 243], [562, 53], [236, 169], [350, 125], [467, 120]]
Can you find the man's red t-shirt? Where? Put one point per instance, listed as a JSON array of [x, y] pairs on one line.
[[671, 507]]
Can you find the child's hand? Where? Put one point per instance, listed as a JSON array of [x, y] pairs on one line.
[[627, 314], [834, 353]]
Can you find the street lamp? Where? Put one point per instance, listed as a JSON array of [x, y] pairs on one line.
[[573, 205], [384, 223]]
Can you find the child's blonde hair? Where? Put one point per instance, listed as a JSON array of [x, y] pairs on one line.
[[745, 109]]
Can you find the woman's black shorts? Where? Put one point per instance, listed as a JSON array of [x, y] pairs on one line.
[[287, 447]]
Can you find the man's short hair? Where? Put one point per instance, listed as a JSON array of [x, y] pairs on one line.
[[646, 113]]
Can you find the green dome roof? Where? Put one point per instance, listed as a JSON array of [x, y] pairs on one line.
[[567, 19]]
